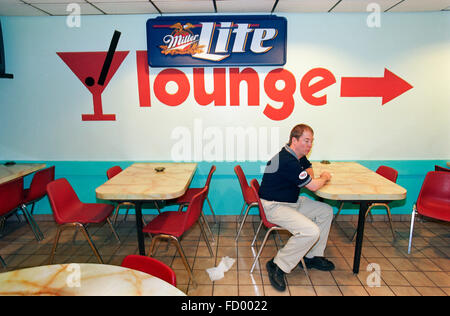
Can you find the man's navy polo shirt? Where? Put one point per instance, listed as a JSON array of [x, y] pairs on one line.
[[284, 176]]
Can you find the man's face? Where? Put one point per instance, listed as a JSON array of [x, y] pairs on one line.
[[302, 145]]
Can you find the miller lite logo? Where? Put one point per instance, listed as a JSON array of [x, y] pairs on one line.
[[181, 41], [219, 40]]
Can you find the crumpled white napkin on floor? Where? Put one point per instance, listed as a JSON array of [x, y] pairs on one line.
[[218, 272]]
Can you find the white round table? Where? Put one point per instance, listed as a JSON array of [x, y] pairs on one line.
[[84, 279]]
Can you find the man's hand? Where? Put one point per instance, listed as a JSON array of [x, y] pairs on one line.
[[325, 176], [317, 183]]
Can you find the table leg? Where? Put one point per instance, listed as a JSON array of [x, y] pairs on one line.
[[139, 226], [359, 235]]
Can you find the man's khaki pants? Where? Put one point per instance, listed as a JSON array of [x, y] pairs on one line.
[[309, 223]]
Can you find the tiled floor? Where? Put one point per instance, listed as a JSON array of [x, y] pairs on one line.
[[425, 272]]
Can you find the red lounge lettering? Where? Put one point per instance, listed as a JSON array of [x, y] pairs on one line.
[[309, 91], [161, 81], [285, 95], [219, 95]]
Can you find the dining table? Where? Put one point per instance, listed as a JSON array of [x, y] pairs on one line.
[[83, 279], [13, 171], [146, 182], [352, 182]]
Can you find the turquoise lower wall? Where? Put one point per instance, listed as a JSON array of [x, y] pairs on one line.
[[225, 194]]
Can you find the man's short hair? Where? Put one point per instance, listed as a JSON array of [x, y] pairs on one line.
[[298, 130]]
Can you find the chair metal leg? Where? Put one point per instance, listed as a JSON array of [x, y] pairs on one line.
[[157, 207], [367, 213], [244, 218], [207, 225], [185, 262], [388, 210], [2, 262], [116, 214], [261, 248], [212, 211], [112, 229], [126, 214], [2, 224], [152, 246], [413, 215], [33, 225], [55, 243], [180, 208], [257, 232], [91, 243], [206, 237], [339, 211], [305, 269], [242, 212], [370, 215]]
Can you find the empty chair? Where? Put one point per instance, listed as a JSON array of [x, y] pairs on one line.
[[439, 168], [38, 190], [270, 226], [391, 174], [172, 225], [433, 200], [249, 198], [11, 200], [151, 266], [69, 211], [110, 173], [185, 199]]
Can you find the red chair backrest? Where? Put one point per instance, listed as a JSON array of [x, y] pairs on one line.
[[11, 195], [388, 172], [439, 168], [434, 196], [208, 180], [195, 208], [255, 187], [38, 186], [63, 199], [113, 171], [247, 191], [151, 266]]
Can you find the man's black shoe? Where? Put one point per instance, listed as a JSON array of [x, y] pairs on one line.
[[276, 276], [319, 263]]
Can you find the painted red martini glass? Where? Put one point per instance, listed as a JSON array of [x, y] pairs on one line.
[[88, 66]]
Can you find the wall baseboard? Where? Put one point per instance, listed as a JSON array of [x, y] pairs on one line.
[[234, 218]]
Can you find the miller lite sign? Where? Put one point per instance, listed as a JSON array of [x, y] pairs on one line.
[[247, 40]]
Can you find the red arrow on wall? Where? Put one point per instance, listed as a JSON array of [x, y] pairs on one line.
[[388, 87]]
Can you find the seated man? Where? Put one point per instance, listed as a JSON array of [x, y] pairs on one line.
[[309, 221]]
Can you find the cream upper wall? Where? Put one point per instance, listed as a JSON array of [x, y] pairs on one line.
[[40, 109]]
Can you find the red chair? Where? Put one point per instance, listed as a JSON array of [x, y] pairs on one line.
[[69, 211], [391, 174], [185, 199], [433, 200], [38, 190], [150, 266], [439, 168], [271, 227], [110, 173], [11, 200], [249, 198], [172, 225]]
